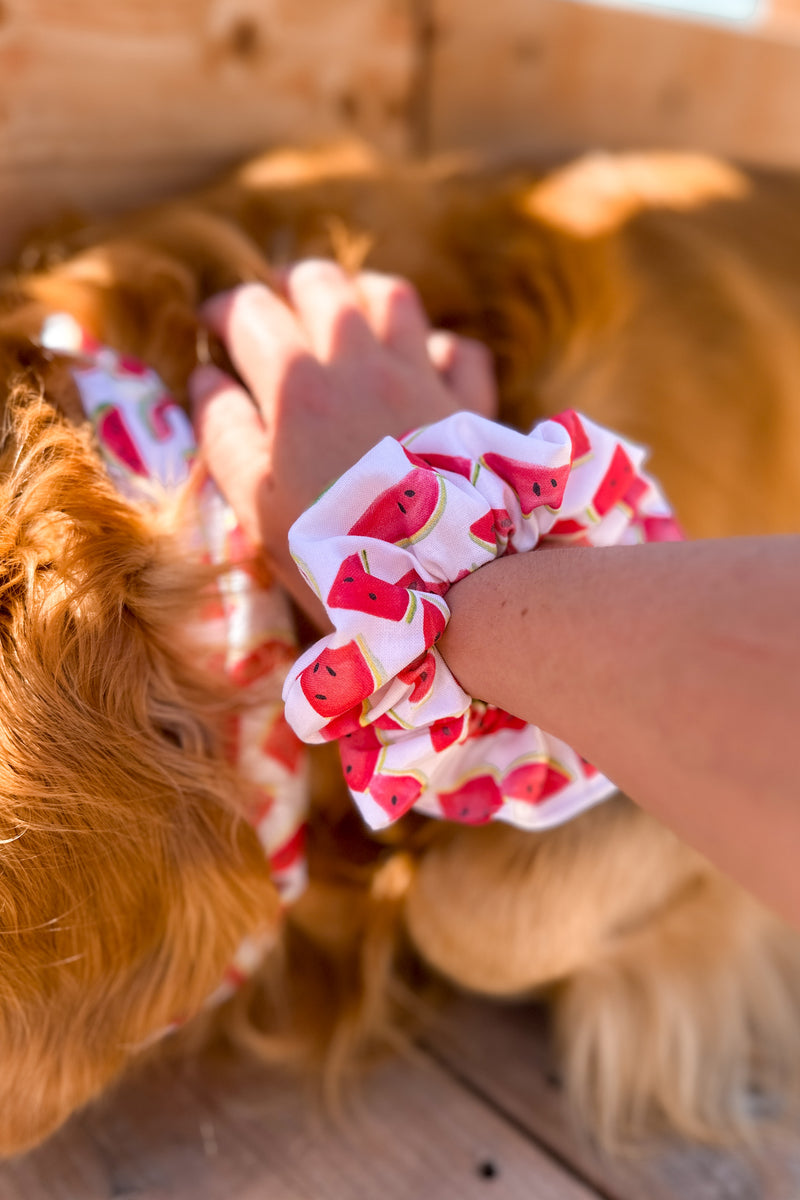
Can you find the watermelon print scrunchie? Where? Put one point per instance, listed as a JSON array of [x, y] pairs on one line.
[[381, 548]]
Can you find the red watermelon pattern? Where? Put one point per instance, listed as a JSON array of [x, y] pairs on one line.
[[405, 512], [385, 543], [338, 678], [533, 485], [473, 802], [244, 627]]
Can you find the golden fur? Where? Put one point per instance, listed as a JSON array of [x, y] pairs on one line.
[[660, 294]]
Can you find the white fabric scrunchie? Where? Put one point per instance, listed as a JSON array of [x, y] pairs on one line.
[[381, 547]]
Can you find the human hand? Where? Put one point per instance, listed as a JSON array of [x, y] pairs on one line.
[[346, 362]]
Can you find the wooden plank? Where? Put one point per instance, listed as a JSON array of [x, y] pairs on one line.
[[543, 77], [503, 1053], [228, 1131], [103, 106]]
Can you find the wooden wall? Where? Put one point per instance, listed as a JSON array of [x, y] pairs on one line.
[[549, 75], [106, 103]]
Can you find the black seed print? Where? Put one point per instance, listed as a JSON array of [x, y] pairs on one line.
[[537, 491], [319, 696], [348, 579], [424, 676], [410, 492], [372, 596], [553, 483], [393, 800], [402, 510], [316, 668], [348, 768], [330, 671]]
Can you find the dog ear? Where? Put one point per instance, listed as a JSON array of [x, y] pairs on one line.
[[126, 879]]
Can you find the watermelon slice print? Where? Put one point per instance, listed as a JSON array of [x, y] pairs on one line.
[[434, 623], [343, 726], [131, 366], [290, 853], [388, 724], [570, 421], [359, 753], [267, 657], [354, 588], [492, 530], [535, 781], [414, 581], [534, 485], [396, 794], [662, 529], [485, 719], [474, 802], [421, 675], [450, 462], [114, 435], [406, 512], [337, 680], [615, 484], [446, 732], [156, 415], [283, 744]]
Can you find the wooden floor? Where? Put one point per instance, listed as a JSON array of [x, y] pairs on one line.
[[479, 1115]]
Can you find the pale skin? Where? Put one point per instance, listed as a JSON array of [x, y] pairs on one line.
[[674, 668]]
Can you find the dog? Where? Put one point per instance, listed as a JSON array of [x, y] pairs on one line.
[[659, 294]]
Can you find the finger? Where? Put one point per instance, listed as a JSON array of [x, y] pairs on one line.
[[328, 305], [395, 312], [264, 340], [466, 367], [233, 442]]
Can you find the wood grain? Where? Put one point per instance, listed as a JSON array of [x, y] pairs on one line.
[[554, 76], [103, 106], [227, 1131], [503, 1054]]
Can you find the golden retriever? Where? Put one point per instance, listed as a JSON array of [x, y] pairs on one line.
[[659, 294]]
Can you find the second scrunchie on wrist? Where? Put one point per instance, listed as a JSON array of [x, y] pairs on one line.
[[381, 548]]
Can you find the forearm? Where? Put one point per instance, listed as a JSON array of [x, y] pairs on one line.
[[675, 669]]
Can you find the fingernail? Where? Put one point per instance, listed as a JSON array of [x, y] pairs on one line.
[[314, 270], [442, 347]]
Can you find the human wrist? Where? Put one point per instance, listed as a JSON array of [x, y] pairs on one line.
[[476, 492]]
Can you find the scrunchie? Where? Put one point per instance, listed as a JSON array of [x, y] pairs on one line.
[[381, 548], [245, 629]]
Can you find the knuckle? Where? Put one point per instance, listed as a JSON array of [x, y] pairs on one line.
[[390, 290]]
